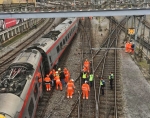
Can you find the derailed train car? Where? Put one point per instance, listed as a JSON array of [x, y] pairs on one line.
[[19, 87]]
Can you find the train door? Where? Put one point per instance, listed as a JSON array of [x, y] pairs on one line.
[[45, 64], [41, 83]]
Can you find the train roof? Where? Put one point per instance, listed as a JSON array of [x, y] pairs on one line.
[[46, 41], [59, 29], [10, 104], [19, 72], [28, 56]]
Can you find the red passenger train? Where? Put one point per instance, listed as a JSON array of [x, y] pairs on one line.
[[19, 87]]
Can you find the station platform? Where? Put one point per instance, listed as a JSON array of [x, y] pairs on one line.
[[136, 89]]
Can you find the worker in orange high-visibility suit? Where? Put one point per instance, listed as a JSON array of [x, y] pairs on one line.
[[85, 90], [70, 88], [67, 75], [54, 72], [53, 76], [65, 70], [87, 65], [85, 69], [58, 82], [130, 47], [127, 46], [47, 82], [39, 77]]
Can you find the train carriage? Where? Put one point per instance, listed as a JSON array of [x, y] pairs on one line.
[[19, 87], [55, 42]]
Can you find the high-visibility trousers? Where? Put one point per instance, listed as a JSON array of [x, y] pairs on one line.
[[58, 83], [69, 93], [85, 94], [48, 86], [66, 79]]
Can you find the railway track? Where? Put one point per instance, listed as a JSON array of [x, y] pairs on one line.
[[85, 108], [105, 61], [11, 55]]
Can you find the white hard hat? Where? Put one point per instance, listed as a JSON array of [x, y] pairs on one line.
[[59, 68], [56, 72], [86, 81], [72, 80]]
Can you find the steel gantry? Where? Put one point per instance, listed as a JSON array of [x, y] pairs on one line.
[[74, 8], [64, 14]]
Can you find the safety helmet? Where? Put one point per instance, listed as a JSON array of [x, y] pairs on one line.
[[56, 72], [86, 81], [59, 68], [72, 80]]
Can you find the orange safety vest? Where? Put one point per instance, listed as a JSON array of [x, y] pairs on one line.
[[57, 78], [85, 87], [70, 85], [47, 79]]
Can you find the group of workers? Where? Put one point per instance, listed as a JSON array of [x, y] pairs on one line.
[[57, 78], [61, 78], [102, 82], [87, 79], [129, 47]]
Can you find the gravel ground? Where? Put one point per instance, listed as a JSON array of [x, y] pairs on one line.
[[59, 106], [136, 86], [136, 89]]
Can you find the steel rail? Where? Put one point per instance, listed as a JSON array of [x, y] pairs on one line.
[[20, 47], [78, 101], [105, 56]]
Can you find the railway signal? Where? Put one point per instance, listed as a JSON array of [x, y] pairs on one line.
[[131, 31]]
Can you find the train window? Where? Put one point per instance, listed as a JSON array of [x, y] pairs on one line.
[[61, 45], [35, 91], [63, 41], [31, 107], [58, 49]]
